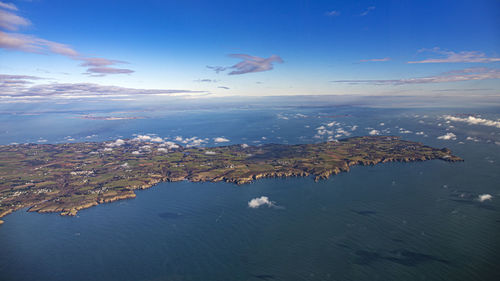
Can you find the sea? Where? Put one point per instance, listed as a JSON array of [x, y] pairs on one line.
[[431, 220]]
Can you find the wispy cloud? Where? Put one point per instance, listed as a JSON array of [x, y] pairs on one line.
[[249, 64], [102, 71], [11, 21], [223, 87], [33, 44], [8, 6], [8, 83], [453, 57], [333, 13], [206, 80], [367, 11], [466, 74], [252, 64], [376, 60], [217, 69]]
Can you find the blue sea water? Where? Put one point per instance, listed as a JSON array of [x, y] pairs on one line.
[[395, 221]]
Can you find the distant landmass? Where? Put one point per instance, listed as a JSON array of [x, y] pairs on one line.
[[68, 177]]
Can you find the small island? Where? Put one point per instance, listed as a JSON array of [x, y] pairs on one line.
[[66, 178]]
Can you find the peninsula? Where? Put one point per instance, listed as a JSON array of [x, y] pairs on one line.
[[68, 177]]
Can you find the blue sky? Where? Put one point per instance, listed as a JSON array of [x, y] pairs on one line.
[[127, 49]]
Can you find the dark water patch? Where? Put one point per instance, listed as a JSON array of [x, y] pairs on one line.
[[399, 256], [410, 258], [364, 212], [364, 257], [475, 203], [397, 240], [344, 246]]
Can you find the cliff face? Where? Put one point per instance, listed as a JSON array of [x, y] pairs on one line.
[[66, 178]]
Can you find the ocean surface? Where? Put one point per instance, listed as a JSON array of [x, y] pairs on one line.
[[394, 221]]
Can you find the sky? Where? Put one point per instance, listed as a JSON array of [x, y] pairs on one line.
[[126, 50]]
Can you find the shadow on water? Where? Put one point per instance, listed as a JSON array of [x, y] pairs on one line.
[[364, 212], [397, 240], [170, 215], [399, 256], [469, 198], [265, 277]]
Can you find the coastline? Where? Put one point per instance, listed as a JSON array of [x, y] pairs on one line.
[[68, 202]]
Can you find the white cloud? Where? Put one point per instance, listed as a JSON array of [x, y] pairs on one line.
[[374, 132], [193, 141], [354, 128], [260, 201], [156, 139], [136, 152], [145, 147], [484, 197], [220, 139], [118, 142], [169, 145], [420, 133], [244, 145], [471, 120], [162, 149], [448, 136], [142, 138], [209, 152], [474, 139]]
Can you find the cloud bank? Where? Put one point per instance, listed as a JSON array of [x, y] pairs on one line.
[[471, 120], [17, 88], [466, 74]]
